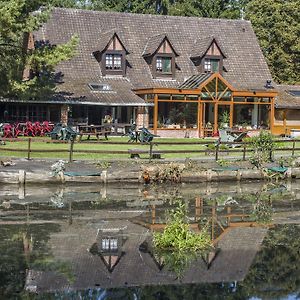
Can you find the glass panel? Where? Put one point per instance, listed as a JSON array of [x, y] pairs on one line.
[[159, 64], [223, 116], [151, 111], [164, 96], [166, 65], [109, 61], [192, 97], [251, 116], [206, 96], [215, 65], [207, 65], [208, 118], [177, 97], [239, 99], [117, 61], [177, 115]]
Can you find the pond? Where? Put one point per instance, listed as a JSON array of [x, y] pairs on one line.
[[87, 242]]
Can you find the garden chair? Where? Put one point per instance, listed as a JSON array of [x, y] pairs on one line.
[[17, 129], [38, 130], [132, 134], [145, 136], [8, 131], [29, 129], [225, 137]]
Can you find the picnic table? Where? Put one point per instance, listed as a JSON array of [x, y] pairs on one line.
[[94, 130]]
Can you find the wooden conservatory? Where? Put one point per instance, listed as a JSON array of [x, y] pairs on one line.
[[203, 104]]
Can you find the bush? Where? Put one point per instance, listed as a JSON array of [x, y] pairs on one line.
[[263, 145]]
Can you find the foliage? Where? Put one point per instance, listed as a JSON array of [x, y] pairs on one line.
[[177, 244], [177, 235], [263, 145], [18, 18], [224, 119], [223, 162], [262, 212], [276, 24]]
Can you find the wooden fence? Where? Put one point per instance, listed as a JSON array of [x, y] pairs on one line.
[[233, 147]]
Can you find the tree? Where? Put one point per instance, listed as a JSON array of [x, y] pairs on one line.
[[277, 26], [18, 18], [202, 8]]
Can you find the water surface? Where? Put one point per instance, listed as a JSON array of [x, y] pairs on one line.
[[86, 242]]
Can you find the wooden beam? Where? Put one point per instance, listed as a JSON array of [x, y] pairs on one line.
[[224, 93], [231, 113], [215, 117], [272, 115], [155, 113], [263, 94], [199, 119]]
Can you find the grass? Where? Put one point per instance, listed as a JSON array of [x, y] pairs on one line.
[[46, 144]]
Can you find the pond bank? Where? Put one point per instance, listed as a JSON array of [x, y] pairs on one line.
[[191, 171]]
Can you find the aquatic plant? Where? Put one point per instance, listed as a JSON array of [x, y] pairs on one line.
[[178, 245], [177, 235]]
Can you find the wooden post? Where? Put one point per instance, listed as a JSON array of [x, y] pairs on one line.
[[151, 151], [231, 113], [293, 151], [272, 115], [29, 149], [155, 114], [215, 117], [71, 150], [217, 149], [200, 120], [244, 152]]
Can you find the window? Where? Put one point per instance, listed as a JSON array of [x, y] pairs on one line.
[[294, 93], [211, 65], [164, 64], [207, 65], [109, 244], [113, 61], [100, 87]]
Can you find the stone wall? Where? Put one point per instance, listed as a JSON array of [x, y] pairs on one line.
[[64, 114]]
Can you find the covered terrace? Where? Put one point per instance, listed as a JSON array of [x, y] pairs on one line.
[[205, 103]]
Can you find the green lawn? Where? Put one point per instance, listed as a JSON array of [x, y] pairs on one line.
[[46, 144]]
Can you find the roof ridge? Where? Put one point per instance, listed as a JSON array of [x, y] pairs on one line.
[[152, 15]]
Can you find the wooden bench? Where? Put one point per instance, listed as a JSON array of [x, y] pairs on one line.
[[104, 133], [135, 153]]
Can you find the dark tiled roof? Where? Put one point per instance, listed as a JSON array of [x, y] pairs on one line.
[[194, 81], [285, 99], [245, 64]]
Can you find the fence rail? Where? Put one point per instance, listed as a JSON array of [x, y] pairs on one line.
[[239, 147]]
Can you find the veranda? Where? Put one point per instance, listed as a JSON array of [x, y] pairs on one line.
[[203, 104]]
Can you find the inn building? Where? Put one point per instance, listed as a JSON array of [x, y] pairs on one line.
[[178, 76]]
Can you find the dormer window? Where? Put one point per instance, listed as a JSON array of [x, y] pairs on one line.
[[160, 55], [111, 55], [113, 61], [164, 65], [207, 55], [211, 65]]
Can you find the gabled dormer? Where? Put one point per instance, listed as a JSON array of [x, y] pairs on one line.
[[160, 55], [208, 55], [111, 54]]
